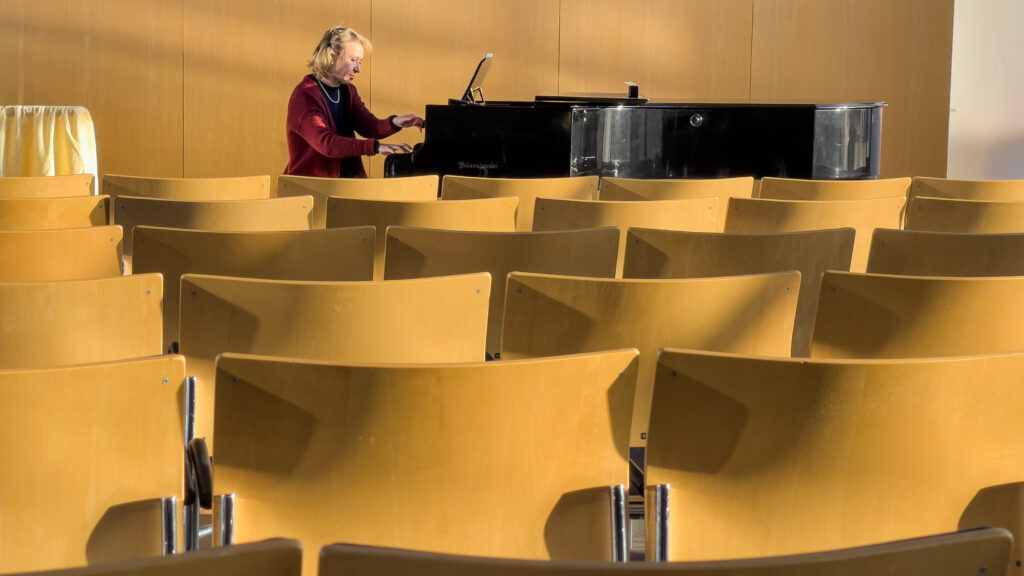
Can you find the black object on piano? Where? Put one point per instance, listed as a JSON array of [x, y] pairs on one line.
[[634, 138]]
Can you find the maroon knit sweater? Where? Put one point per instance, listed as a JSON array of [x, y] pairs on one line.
[[315, 148]]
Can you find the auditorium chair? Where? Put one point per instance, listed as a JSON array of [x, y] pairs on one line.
[[546, 315], [797, 189], [192, 189], [526, 189], [759, 216], [336, 254], [484, 215], [426, 320], [915, 253], [93, 462], [754, 456], [675, 254], [53, 213], [47, 186], [421, 252], [51, 255], [883, 316], [998, 190], [521, 459], [694, 214], [277, 557], [966, 216], [410, 188], [983, 551], [45, 324], [677, 189], [259, 215]]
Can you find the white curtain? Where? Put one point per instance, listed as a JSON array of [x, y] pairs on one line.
[[47, 141]]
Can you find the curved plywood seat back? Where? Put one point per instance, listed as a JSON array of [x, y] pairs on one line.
[[673, 254], [278, 557], [46, 324], [756, 215], [985, 550], [677, 189], [999, 190], [768, 456], [53, 213], [695, 214], [47, 186], [420, 252], [337, 254], [914, 253], [485, 215], [965, 216], [511, 459], [193, 189], [415, 188], [261, 215], [882, 316], [546, 315], [526, 189], [797, 189], [428, 320], [49, 255], [88, 453]]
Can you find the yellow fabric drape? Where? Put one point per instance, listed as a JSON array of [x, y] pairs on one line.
[[46, 141]]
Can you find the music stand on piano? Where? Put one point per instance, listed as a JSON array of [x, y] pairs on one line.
[[474, 91]]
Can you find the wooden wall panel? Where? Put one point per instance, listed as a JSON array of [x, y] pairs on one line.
[[242, 60], [425, 53], [119, 58], [686, 50], [898, 51]]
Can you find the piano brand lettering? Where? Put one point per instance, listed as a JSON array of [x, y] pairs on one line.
[[483, 167]]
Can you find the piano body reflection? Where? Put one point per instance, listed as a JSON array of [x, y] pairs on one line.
[[634, 138]]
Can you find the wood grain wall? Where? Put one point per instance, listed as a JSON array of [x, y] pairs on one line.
[[199, 87]]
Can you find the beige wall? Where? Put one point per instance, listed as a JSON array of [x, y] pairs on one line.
[[199, 87]]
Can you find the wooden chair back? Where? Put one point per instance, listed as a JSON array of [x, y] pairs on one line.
[[637, 189], [965, 216], [674, 254], [547, 315], [526, 189], [53, 213], [770, 456], [336, 254], [51, 255], [695, 214], [421, 252], [915, 253], [760, 216], [797, 189], [426, 320], [411, 188], [387, 454], [88, 452], [997, 190], [260, 215], [277, 557], [968, 552], [44, 324], [190, 189], [486, 215], [47, 186], [882, 316]]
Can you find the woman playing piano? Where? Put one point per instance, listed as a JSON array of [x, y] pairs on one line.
[[325, 113]]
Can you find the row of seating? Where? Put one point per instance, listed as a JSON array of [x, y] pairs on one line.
[[973, 552], [750, 456]]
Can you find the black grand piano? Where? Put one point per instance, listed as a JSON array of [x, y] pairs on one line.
[[632, 137]]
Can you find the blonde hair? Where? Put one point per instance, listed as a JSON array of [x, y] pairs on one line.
[[331, 45]]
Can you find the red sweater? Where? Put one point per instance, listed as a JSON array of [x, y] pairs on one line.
[[314, 146]]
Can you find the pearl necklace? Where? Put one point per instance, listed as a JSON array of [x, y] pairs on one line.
[[334, 101]]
